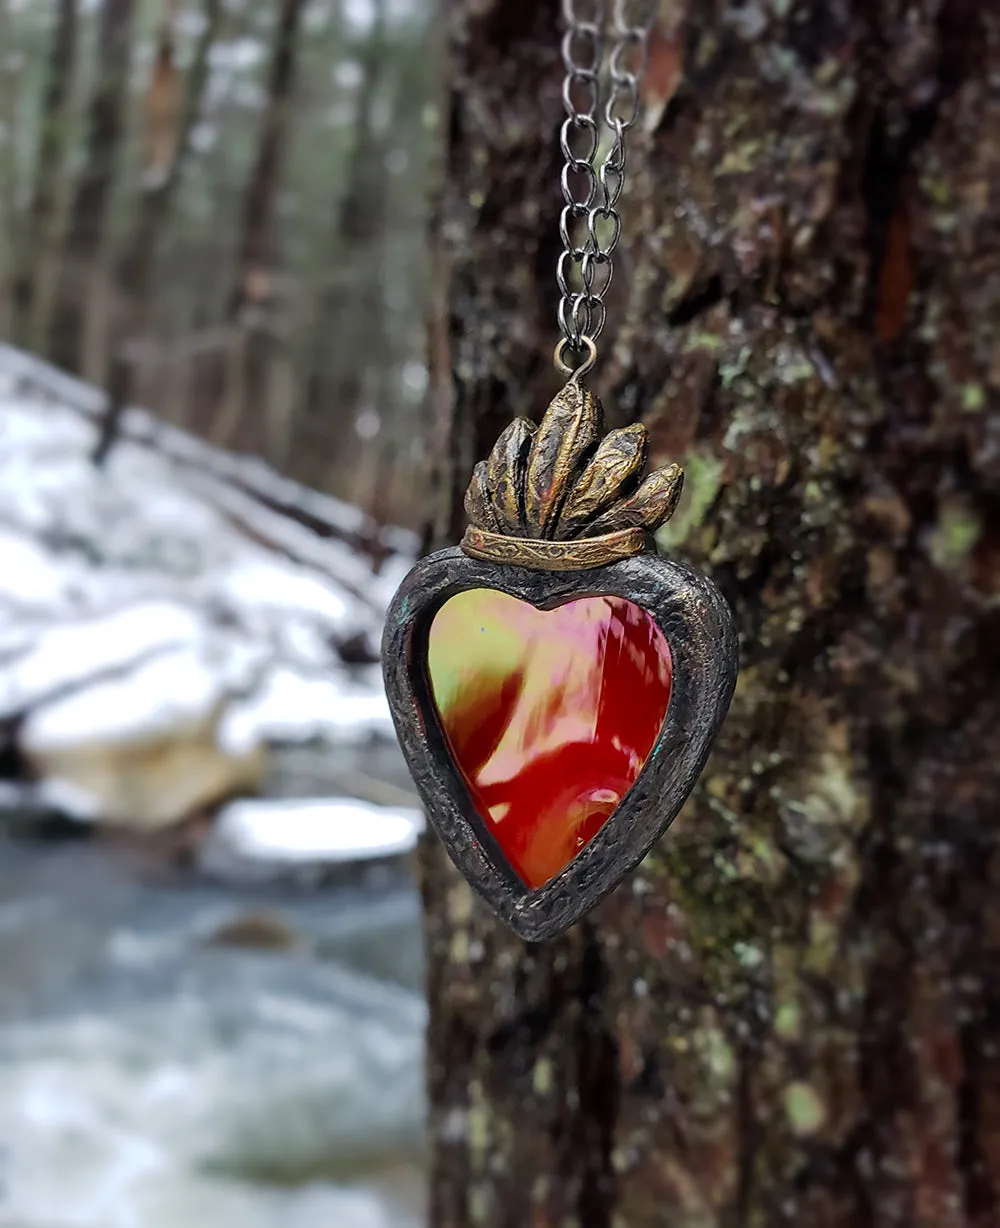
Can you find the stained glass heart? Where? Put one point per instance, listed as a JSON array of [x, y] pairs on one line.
[[549, 714]]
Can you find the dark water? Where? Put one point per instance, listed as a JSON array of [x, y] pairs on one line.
[[175, 1051]]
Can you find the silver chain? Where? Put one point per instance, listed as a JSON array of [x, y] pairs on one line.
[[590, 224]]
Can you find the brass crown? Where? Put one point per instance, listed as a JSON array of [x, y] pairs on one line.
[[563, 482]]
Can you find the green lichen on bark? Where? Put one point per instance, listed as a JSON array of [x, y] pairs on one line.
[[789, 1014]]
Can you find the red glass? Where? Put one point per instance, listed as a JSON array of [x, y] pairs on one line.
[[550, 714]]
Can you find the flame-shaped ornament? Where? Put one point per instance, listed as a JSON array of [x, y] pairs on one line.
[[556, 684]]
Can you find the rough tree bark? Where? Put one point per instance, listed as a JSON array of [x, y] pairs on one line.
[[791, 1014]]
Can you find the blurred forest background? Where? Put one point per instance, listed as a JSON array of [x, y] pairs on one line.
[[215, 208], [212, 997]]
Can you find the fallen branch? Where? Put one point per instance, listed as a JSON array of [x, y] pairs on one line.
[[323, 515]]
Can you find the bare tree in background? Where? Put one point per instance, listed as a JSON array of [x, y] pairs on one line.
[[791, 1014], [137, 284], [252, 295], [79, 340], [254, 259], [8, 202], [350, 317], [353, 300], [37, 271], [170, 114]]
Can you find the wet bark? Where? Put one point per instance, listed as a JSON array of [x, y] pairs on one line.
[[791, 1014]]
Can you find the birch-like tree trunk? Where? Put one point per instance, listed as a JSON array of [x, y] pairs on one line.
[[791, 1014]]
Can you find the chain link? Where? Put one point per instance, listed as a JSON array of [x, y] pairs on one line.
[[590, 224]]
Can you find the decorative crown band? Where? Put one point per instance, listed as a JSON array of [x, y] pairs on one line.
[[561, 497]]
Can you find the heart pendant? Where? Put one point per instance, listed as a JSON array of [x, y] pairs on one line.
[[556, 696]]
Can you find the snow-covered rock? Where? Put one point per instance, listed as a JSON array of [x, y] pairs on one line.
[[166, 619], [309, 831]]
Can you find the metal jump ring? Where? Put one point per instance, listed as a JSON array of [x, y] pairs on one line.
[[563, 367]]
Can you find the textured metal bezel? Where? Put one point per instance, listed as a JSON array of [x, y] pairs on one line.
[[698, 626]]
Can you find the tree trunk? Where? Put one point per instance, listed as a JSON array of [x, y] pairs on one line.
[[83, 311], [167, 143], [254, 254], [791, 1013], [349, 331], [37, 267], [8, 181], [251, 300]]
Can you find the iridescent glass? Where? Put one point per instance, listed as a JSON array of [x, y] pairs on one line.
[[550, 714]]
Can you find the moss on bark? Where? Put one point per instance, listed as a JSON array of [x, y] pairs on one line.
[[791, 1014]]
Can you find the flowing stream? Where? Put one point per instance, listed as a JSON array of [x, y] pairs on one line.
[[179, 1053]]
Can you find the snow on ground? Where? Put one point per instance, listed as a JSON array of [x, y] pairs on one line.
[[171, 590]]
